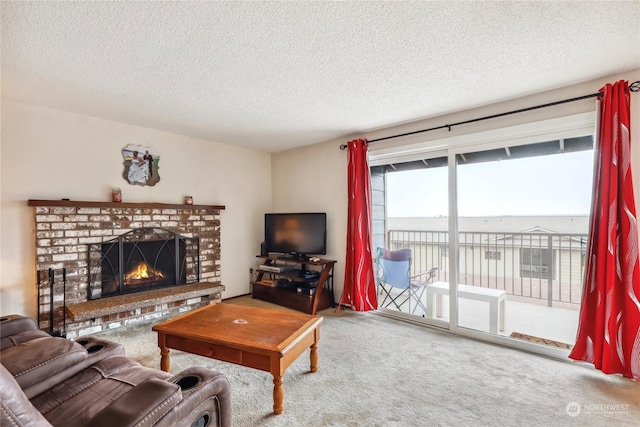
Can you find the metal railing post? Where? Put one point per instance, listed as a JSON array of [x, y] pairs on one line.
[[550, 270]]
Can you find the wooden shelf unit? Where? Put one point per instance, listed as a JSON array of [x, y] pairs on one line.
[[306, 293]]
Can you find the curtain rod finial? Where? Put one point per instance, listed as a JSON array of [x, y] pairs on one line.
[[635, 86], [343, 146]]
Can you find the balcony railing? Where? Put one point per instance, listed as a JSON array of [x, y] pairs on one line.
[[544, 268]]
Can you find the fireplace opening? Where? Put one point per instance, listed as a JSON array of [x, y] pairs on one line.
[[141, 260], [143, 275], [145, 265]]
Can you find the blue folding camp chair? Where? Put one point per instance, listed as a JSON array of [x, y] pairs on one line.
[[395, 283]]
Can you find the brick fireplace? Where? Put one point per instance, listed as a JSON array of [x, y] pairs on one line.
[[65, 230]]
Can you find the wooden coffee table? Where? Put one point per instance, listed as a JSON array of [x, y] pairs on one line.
[[269, 340]]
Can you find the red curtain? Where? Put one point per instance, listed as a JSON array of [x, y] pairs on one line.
[[359, 282], [609, 329]]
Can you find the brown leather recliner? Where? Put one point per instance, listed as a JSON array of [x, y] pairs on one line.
[[51, 381]]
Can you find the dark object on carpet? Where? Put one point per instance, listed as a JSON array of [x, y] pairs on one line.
[[543, 341]]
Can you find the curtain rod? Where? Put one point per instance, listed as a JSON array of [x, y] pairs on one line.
[[633, 87]]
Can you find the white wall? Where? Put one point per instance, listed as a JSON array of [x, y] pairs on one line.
[[314, 178], [52, 154]]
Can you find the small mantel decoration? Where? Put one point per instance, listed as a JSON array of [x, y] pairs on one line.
[[116, 195], [141, 165]]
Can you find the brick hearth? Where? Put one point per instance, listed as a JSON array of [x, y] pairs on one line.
[[64, 229]]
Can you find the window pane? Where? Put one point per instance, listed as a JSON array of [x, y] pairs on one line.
[[527, 186]]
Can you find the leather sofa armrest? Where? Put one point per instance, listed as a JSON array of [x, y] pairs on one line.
[[143, 405], [14, 324], [15, 408], [16, 329], [36, 362], [206, 399], [21, 337]]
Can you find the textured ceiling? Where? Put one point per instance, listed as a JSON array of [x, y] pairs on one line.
[[277, 75]]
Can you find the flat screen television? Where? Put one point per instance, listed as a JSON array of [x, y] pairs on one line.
[[296, 234]]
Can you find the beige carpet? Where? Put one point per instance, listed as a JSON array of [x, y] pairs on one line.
[[375, 371]]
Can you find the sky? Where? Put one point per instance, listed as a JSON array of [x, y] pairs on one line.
[[546, 185]]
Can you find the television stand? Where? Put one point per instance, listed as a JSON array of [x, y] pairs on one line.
[[294, 257], [299, 284]]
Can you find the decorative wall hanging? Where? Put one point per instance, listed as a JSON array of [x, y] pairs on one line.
[[140, 165]]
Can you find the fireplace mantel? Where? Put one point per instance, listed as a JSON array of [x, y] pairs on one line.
[[152, 205]]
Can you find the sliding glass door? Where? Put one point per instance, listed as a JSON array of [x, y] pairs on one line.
[[523, 217], [496, 230]]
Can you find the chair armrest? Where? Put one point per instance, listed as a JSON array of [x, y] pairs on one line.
[[143, 405], [432, 272], [430, 275]]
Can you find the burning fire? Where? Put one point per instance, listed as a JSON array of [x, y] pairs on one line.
[[142, 271]]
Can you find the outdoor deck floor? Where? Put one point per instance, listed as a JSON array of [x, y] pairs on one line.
[[558, 324]]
